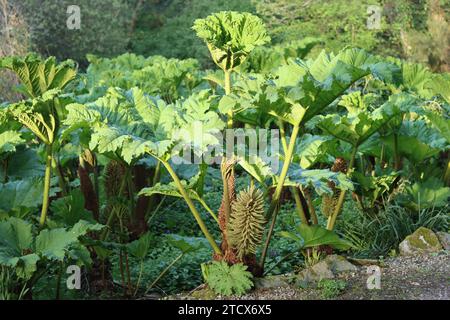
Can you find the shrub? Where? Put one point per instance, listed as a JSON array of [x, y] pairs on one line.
[[375, 236], [331, 288], [104, 28]]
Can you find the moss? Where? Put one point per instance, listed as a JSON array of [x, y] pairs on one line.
[[423, 238], [204, 294]]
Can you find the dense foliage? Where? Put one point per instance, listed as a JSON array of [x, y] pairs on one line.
[[91, 172]]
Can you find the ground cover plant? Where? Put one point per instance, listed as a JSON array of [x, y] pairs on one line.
[[121, 169]]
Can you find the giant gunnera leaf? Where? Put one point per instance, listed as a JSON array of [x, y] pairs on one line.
[[16, 241]]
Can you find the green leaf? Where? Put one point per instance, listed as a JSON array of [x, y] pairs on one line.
[[9, 140], [155, 75], [355, 128], [187, 244], [24, 193], [441, 124], [268, 59], [440, 84], [303, 89], [231, 36], [16, 240], [170, 190], [16, 236], [53, 244], [417, 141], [140, 248], [416, 77], [70, 209], [38, 76], [258, 169], [227, 280], [311, 149], [25, 164], [319, 180], [428, 194], [80, 254], [130, 124], [313, 236], [82, 227]]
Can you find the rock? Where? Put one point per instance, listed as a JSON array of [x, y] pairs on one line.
[[364, 262], [339, 264], [444, 239], [315, 273], [204, 294], [422, 241], [325, 269], [270, 282]]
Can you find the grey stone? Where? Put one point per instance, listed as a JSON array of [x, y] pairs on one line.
[[444, 238], [339, 264], [325, 269], [422, 241], [314, 273]]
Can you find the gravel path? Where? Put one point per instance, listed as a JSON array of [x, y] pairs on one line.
[[402, 278]]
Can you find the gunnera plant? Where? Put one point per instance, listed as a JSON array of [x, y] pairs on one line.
[[246, 225]]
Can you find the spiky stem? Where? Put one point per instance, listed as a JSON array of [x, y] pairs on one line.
[[192, 207], [228, 92], [56, 166], [294, 190], [273, 209], [397, 164], [47, 181], [447, 174]]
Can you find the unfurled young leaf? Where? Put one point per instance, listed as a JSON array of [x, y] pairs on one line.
[[231, 36], [227, 280]]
